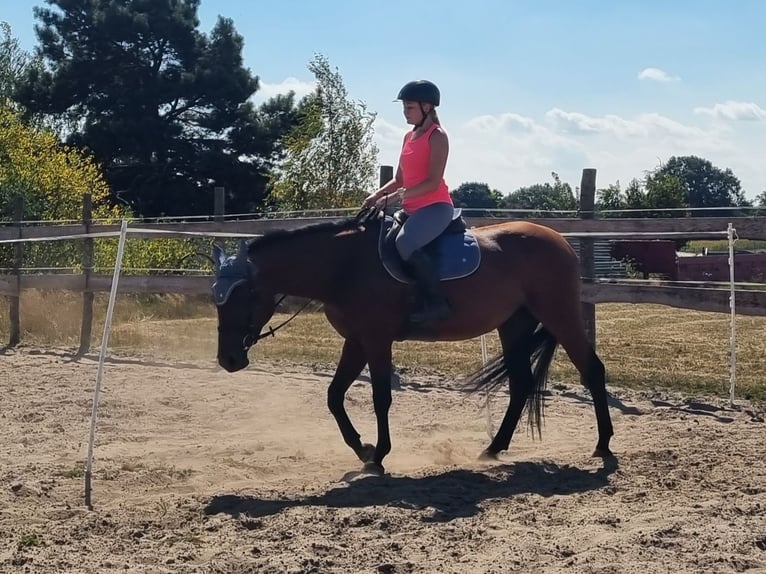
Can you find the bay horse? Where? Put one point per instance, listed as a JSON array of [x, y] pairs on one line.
[[527, 287]]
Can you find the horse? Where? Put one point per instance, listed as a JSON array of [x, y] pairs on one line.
[[526, 285]]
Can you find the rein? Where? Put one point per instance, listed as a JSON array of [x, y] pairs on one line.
[[250, 339]]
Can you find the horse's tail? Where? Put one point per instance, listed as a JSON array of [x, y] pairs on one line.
[[543, 350], [494, 374]]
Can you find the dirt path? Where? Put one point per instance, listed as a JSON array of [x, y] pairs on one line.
[[198, 471]]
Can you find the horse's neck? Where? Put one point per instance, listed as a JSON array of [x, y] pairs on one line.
[[306, 266]]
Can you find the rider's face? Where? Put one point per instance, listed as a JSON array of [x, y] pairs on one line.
[[412, 112]]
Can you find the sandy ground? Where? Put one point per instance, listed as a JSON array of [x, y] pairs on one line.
[[199, 471]]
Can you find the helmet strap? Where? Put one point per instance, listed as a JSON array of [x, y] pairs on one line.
[[424, 114]]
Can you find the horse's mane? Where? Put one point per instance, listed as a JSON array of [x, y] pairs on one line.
[[332, 227]]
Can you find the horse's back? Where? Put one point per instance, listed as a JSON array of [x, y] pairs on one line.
[[533, 238]]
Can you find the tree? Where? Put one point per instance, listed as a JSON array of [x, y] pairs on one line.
[[475, 195], [635, 197], [760, 200], [664, 191], [164, 108], [330, 156], [703, 184], [543, 197], [610, 198], [13, 63], [49, 178]]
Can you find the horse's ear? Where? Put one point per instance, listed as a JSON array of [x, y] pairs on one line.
[[219, 256], [242, 253]]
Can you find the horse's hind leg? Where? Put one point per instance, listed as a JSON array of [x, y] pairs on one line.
[[564, 320], [515, 336], [351, 363]]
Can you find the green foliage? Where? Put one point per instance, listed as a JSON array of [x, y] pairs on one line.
[[543, 197], [635, 197], [476, 195], [703, 184], [30, 540], [611, 197], [52, 180], [664, 191], [165, 108], [13, 63], [330, 156]]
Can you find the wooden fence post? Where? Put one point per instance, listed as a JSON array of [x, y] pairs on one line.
[[587, 263], [86, 328], [18, 259], [219, 203], [386, 174]]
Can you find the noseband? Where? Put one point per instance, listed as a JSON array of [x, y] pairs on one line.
[[232, 272], [253, 335]]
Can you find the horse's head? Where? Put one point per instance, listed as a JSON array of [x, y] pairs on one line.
[[243, 305]]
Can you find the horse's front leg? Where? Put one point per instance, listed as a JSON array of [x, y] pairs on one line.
[[351, 363], [379, 360]]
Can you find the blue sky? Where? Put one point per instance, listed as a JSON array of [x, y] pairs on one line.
[[528, 87]]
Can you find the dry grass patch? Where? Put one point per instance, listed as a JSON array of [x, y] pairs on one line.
[[643, 346]]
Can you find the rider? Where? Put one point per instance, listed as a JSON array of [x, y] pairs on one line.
[[426, 200]]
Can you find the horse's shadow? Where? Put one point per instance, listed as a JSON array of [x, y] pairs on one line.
[[452, 494]]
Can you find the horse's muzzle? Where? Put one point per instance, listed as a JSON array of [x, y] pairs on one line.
[[233, 364]]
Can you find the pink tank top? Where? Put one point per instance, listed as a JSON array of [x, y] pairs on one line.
[[414, 161]]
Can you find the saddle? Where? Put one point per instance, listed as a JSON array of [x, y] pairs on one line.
[[455, 251]]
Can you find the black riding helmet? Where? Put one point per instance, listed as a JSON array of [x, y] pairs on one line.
[[420, 91]]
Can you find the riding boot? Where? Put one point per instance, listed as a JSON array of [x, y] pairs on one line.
[[433, 304]]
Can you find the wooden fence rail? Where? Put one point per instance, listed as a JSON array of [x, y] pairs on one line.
[[750, 300]]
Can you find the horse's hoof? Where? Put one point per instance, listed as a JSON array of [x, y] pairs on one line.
[[488, 456], [373, 468], [366, 453], [602, 453]]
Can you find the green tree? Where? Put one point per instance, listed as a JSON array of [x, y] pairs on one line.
[[13, 63], [664, 191], [330, 156], [476, 195], [51, 179], [610, 198], [704, 185], [635, 196], [163, 107], [543, 197]]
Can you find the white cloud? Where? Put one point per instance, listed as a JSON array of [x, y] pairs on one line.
[[509, 150], [643, 126], [732, 110], [656, 75], [291, 84]]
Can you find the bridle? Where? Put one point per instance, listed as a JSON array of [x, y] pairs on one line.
[[254, 335]]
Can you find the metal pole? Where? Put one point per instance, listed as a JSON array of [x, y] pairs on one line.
[[102, 356], [731, 234]]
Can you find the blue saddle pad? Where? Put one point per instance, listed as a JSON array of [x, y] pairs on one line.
[[457, 254]]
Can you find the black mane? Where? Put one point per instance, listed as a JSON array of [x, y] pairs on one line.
[[279, 235]]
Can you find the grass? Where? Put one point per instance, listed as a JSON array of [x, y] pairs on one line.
[[30, 540], [77, 471], [643, 346], [722, 246]]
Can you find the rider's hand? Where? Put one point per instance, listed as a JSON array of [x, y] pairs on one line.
[[371, 200]]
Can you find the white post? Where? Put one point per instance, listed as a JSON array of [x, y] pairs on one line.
[[101, 357], [731, 234]]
